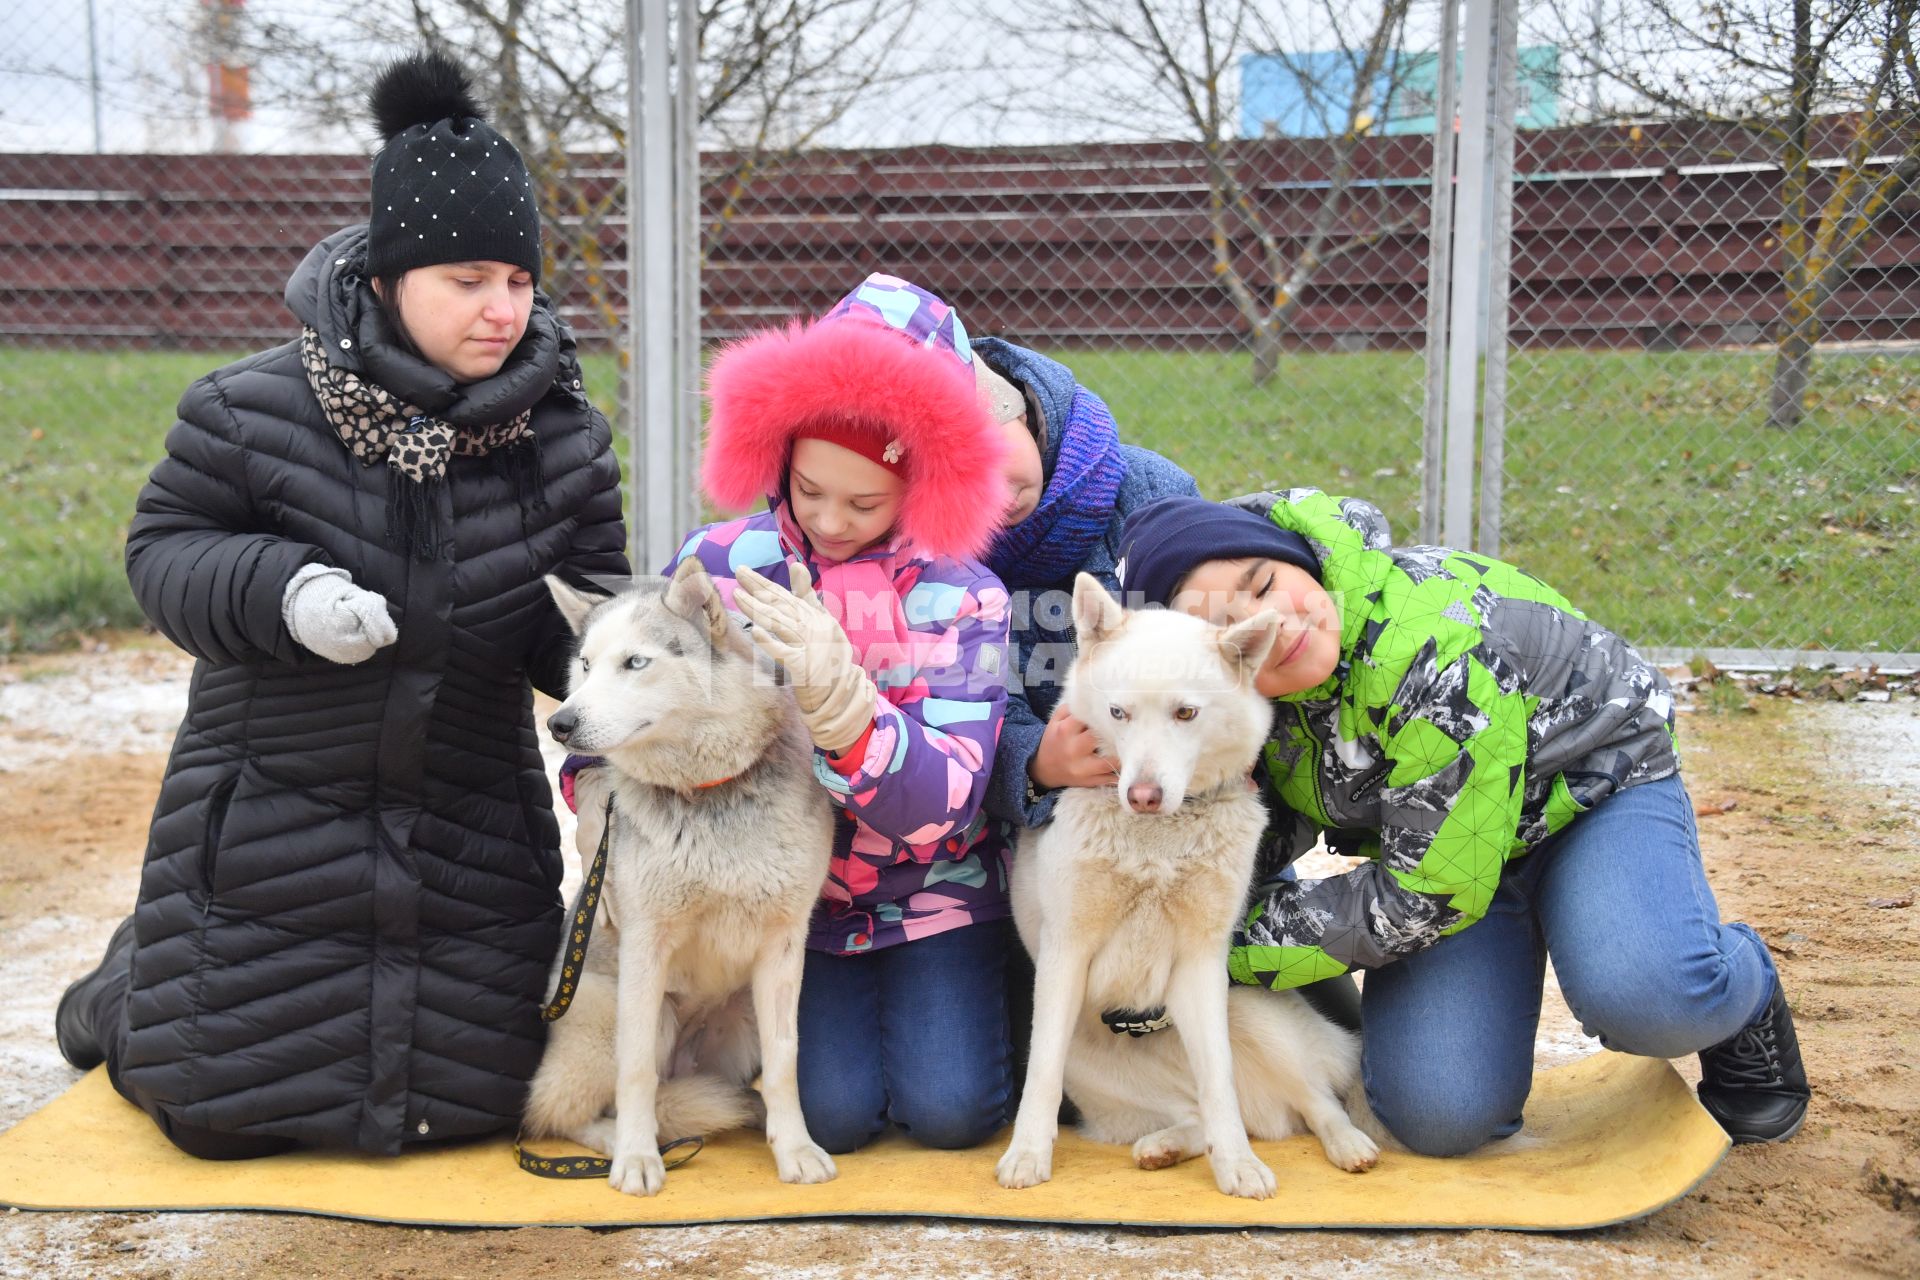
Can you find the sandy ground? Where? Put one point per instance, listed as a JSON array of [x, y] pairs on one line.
[[1825, 818]]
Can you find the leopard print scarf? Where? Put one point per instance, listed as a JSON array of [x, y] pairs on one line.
[[374, 423]]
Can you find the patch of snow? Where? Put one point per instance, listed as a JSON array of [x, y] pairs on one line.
[[125, 701], [1875, 743]]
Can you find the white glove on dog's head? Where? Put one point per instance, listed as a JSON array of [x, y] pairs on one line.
[[793, 628], [329, 616]]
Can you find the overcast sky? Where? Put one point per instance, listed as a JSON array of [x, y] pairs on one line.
[[965, 83], [964, 80]]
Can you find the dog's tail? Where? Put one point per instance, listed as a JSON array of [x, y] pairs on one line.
[[1360, 1111], [701, 1105]]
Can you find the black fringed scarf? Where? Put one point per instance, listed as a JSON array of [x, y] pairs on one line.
[[374, 424]]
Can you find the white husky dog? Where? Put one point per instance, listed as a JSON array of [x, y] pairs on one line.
[[720, 844], [1128, 898]]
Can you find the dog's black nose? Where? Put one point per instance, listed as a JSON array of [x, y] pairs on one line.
[[561, 724]]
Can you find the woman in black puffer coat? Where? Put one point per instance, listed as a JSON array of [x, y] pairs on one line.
[[350, 895]]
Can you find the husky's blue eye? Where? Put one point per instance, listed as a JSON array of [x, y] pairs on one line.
[[638, 662], [1117, 713]]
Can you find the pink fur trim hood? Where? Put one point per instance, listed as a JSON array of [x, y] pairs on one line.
[[890, 358]]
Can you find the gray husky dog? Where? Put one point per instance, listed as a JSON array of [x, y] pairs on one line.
[[1128, 899], [719, 846]]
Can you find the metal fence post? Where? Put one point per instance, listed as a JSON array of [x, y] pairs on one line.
[[686, 192], [1493, 412], [1469, 245], [1439, 259], [657, 480]]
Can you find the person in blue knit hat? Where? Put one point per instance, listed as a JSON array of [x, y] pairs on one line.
[[1073, 484]]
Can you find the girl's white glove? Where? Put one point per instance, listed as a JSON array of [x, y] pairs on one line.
[[327, 615], [793, 628]]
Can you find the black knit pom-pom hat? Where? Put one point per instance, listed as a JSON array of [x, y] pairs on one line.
[[446, 186]]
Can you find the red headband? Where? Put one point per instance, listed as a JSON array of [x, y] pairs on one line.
[[854, 438]]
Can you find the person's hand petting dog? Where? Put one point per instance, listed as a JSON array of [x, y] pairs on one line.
[[1067, 755], [793, 628]]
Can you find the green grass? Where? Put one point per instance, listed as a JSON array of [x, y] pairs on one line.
[[1685, 521], [1645, 486], [78, 434]]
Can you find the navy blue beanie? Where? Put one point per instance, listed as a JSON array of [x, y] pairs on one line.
[[1164, 541]]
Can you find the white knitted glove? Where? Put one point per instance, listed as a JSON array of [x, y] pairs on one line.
[[327, 615], [836, 697]]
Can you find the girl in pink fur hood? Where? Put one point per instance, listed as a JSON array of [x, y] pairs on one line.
[[868, 433]]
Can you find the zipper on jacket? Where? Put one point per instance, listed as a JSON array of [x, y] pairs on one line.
[[1319, 799], [217, 804]]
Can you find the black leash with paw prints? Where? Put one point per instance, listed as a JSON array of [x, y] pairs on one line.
[[580, 929]]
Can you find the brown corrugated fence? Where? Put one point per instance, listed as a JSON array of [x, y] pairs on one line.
[[1622, 237]]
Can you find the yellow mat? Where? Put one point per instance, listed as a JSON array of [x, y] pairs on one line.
[[1607, 1139]]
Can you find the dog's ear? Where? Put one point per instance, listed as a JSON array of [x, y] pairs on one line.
[[573, 603], [1096, 614], [693, 596], [1245, 645]]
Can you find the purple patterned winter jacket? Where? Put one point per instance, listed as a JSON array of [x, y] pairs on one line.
[[914, 853]]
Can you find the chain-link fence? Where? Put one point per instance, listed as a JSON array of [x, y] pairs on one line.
[[1086, 179], [1713, 391], [1225, 231], [164, 167], [1657, 460]]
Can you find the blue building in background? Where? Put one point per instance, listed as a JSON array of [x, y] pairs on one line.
[[1306, 95]]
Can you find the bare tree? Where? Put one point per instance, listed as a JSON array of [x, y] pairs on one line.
[[1774, 70], [771, 75], [1189, 52]]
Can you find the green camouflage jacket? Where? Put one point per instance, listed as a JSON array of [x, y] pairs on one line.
[[1473, 713]]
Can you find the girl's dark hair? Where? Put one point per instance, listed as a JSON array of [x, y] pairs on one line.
[[387, 290]]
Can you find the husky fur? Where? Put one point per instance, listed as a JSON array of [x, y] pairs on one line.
[[692, 978], [1128, 899]]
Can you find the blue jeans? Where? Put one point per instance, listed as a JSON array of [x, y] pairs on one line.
[[914, 1033], [1620, 901]]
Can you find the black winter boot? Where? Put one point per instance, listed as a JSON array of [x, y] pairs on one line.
[[73, 1019], [1754, 1082]]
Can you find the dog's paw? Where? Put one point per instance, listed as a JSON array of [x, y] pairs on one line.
[[804, 1162], [1243, 1175], [1351, 1150], [1156, 1155], [641, 1173], [1162, 1149], [1024, 1166]]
